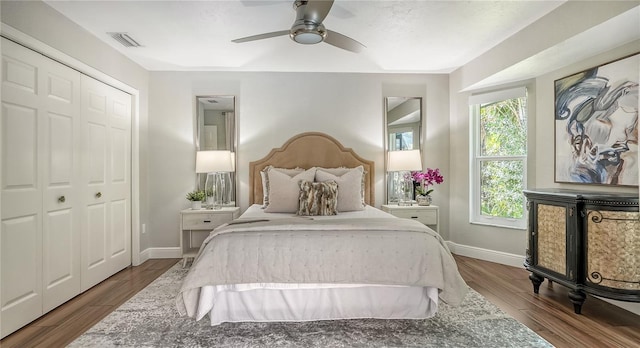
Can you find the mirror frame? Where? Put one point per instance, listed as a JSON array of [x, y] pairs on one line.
[[199, 114], [418, 145]]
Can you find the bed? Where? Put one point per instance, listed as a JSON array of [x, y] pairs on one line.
[[328, 255]]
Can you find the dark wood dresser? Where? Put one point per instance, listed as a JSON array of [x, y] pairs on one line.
[[586, 241]]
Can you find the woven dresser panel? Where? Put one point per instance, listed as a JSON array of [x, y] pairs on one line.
[[552, 238], [613, 249]]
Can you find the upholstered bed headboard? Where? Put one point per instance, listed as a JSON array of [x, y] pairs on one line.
[[306, 150]]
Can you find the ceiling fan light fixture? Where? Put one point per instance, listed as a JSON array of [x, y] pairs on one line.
[[308, 29], [307, 38]]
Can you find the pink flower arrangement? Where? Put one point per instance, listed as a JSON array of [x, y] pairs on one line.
[[426, 179]]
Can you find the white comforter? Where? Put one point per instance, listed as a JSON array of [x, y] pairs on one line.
[[337, 251]]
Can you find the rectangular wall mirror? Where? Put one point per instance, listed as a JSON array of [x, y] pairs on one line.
[[403, 130], [216, 131]]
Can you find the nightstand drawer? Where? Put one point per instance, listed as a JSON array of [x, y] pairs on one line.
[[427, 217], [195, 226], [204, 221]]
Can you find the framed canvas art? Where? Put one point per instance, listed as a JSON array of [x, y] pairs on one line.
[[596, 125]]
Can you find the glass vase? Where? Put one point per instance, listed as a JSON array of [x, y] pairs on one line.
[[423, 200], [406, 198]]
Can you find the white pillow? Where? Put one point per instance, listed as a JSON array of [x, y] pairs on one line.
[[265, 180], [350, 189], [284, 190], [336, 171], [265, 188]]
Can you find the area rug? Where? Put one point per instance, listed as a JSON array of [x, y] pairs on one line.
[[150, 319]]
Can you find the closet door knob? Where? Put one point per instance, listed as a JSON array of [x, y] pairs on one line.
[[99, 194], [61, 199]]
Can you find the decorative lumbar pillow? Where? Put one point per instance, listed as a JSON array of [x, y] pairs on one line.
[[284, 189], [349, 185], [318, 198], [265, 180]]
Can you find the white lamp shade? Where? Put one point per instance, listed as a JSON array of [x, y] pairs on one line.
[[406, 160], [214, 161], [233, 161]]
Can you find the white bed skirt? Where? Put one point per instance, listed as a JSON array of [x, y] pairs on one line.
[[308, 302], [302, 303]]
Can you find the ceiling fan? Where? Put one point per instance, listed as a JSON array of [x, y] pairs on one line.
[[308, 28]]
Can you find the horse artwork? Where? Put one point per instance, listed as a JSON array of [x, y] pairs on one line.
[[596, 125]]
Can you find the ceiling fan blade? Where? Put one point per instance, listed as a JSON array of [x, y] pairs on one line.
[[316, 10], [261, 36], [341, 41]]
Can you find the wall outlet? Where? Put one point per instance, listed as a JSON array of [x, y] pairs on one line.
[[144, 228]]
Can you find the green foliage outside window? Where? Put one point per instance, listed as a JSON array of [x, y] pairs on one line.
[[501, 189], [503, 133]]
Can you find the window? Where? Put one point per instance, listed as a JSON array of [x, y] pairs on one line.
[[401, 139], [499, 158]]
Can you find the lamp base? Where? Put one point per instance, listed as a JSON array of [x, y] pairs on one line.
[[405, 203]]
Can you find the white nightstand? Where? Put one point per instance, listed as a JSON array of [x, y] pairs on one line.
[[195, 226], [428, 215]]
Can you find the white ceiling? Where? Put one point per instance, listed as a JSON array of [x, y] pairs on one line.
[[400, 36], [615, 32]]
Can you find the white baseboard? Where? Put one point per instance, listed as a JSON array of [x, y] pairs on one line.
[[508, 259], [144, 256], [160, 253]]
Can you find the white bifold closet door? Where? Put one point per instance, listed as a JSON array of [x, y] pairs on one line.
[[40, 185], [58, 235], [106, 225]]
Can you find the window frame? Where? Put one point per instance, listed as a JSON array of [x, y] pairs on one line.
[[476, 159]]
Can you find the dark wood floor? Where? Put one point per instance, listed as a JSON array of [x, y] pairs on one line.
[[62, 325], [550, 313]]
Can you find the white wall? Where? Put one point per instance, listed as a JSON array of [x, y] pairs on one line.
[[504, 240], [42, 23], [274, 106], [544, 122], [558, 26], [271, 108], [545, 118], [502, 244]]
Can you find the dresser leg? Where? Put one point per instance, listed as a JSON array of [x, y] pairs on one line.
[[577, 297], [536, 280]]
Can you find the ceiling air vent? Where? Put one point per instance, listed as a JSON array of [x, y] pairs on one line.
[[124, 39]]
